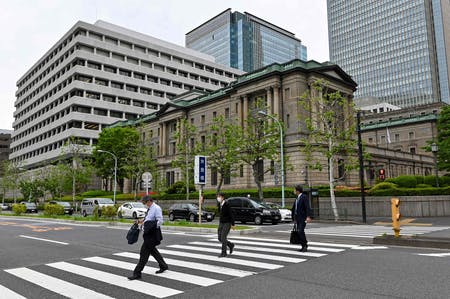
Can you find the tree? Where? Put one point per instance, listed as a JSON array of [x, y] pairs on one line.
[[258, 141], [123, 143], [11, 174], [443, 142], [186, 148], [222, 149], [32, 189], [142, 161], [330, 131], [57, 179]]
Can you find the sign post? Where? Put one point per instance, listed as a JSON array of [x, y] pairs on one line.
[[147, 178], [200, 179]]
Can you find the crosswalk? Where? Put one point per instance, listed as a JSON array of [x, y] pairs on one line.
[[368, 231], [193, 264]]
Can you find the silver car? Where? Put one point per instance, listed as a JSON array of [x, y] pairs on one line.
[[89, 204]]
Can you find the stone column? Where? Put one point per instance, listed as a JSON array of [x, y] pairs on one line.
[[269, 100], [244, 109], [276, 102]]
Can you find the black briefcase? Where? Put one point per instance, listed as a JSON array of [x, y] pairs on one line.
[[295, 239], [133, 234]]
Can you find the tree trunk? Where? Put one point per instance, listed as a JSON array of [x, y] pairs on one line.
[[257, 182], [219, 185], [331, 179]]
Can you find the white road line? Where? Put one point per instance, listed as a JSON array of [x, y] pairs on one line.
[[116, 280], [285, 245], [338, 245], [264, 249], [240, 253], [228, 260], [46, 240], [7, 293], [193, 279], [54, 284], [435, 254], [196, 266]]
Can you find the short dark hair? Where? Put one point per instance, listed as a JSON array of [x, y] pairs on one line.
[[146, 198], [221, 194], [299, 188]]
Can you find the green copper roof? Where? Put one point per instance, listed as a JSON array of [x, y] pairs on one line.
[[399, 122]]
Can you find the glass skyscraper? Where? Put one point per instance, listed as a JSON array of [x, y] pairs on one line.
[[397, 51], [244, 41]]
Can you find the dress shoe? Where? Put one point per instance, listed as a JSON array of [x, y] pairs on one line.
[[231, 248], [161, 270], [135, 276], [223, 255], [304, 249]]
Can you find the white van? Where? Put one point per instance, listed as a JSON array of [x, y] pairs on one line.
[[88, 205]]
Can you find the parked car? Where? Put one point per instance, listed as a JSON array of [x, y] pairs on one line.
[[31, 207], [188, 211], [88, 205], [132, 210], [286, 214], [67, 206], [4, 207], [248, 210]]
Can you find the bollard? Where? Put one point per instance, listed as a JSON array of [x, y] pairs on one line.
[[395, 208]]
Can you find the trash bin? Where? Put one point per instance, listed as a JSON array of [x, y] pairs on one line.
[[313, 197]]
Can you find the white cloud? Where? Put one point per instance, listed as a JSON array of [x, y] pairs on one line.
[[30, 28]]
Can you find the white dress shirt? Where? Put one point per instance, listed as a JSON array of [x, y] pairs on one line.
[[154, 213]]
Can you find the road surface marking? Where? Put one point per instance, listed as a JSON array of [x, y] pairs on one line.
[[46, 240], [194, 279], [228, 260], [194, 265], [435, 254], [264, 249], [240, 253], [7, 293], [284, 245], [116, 280], [55, 284]]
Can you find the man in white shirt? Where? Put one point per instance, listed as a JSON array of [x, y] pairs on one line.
[[151, 226]]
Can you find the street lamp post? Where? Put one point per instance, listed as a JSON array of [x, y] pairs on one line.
[[434, 149], [281, 152], [115, 171], [361, 166]]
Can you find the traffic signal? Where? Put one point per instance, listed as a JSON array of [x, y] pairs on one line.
[[395, 208], [381, 174]]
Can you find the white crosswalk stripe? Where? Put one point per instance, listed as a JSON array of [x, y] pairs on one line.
[[368, 231], [7, 293], [435, 254], [250, 257]]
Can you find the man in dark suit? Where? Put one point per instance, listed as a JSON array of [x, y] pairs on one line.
[[226, 222], [152, 238], [302, 213]]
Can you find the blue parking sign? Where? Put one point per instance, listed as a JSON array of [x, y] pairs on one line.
[[200, 170]]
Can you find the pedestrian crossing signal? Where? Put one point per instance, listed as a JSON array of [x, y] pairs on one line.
[[381, 174]]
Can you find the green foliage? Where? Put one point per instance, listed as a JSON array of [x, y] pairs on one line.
[[19, 209], [180, 188], [109, 212], [405, 181], [97, 193], [384, 186], [423, 186], [443, 142], [32, 189], [121, 142], [444, 181], [430, 180], [53, 210]]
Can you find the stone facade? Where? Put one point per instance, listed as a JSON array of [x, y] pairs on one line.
[[281, 86]]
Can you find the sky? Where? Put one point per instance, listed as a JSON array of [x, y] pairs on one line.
[[29, 28]]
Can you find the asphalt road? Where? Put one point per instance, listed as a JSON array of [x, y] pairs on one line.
[[263, 265]]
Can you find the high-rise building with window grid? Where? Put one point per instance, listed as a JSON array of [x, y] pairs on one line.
[[397, 51], [97, 74], [244, 41]]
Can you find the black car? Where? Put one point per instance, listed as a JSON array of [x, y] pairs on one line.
[[188, 211], [67, 207], [248, 210], [31, 207]]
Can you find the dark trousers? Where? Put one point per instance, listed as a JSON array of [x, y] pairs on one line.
[[301, 232], [145, 253], [222, 234]]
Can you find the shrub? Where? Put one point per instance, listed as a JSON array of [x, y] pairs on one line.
[[109, 212], [180, 188], [19, 209], [444, 181], [53, 210], [430, 180], [423, 186], [96, 193], [406, 181], [419, 179]]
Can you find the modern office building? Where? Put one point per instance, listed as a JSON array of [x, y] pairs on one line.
[[97, 74], [244, 41], [397, 51]]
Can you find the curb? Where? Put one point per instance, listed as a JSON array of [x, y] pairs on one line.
[[412, 241]]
